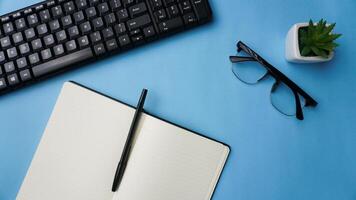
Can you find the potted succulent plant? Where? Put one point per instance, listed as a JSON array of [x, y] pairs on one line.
[[311, 42]]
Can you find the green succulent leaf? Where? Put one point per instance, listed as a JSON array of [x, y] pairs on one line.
[[306, 51], [328, 29], [317, 39], [319, 52], [328, 47]]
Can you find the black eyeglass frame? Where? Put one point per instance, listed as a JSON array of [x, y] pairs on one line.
[[277, 75]]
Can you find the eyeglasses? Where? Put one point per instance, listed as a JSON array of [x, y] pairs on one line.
[[286, 96]]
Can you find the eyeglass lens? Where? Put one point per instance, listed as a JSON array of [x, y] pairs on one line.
[[283, 99], [249, 72]]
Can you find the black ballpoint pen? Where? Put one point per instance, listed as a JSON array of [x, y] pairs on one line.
[[120, 170]]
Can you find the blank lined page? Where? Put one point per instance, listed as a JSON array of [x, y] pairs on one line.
[[83, 142], [170, 163], [79, 151]]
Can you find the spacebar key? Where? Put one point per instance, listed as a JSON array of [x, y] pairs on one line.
[[62, 62]]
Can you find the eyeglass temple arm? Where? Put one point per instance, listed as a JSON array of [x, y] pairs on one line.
[[277, 74], [298, 108], [236, 59]]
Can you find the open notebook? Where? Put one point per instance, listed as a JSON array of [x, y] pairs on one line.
[[82, 145]]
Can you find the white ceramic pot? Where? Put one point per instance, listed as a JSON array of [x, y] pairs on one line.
[[292, 51]]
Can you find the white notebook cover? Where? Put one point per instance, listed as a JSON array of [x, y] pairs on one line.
[[82, 144]]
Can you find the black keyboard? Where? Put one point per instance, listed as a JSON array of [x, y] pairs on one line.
[[57, 35]]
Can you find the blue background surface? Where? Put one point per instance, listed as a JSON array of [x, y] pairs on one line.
[[273, 157]]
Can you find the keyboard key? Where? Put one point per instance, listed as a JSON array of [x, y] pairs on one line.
[[71, 45], [17, 38], [62, 62], [137, 9], [98, 23], [25, 75], [34, 58], [156, 4], [120, 28], [160, 15], [53, 2], [83, 41], [16, 15], [111, 45], [20, 24], [54, 25], [124, 40], [4, 19], [171, 25], [48, 40], [9, 67], [103, 8], [137, 39], [185, 7], [91, 12], [13, 79], [135, 32], [189, 19], [66, 21], [138, 22], [5, 42], [30, 34], [149, 32], [99, 49], [36, 44], [12, 53], [61, 36], [46, 54], [58, 50], [24, 48], [69, 7], [81, 4], [115, 4], [107, 33], [42, 29], [110, 19], [39, 7], [32, 20], [85, 28], [122, 15], [2, 83], [173, 11], [201, 9], [57, 11], [78, 17], [73, 32], [8, 28], [45, 16], [21, 62], [95, 37]]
